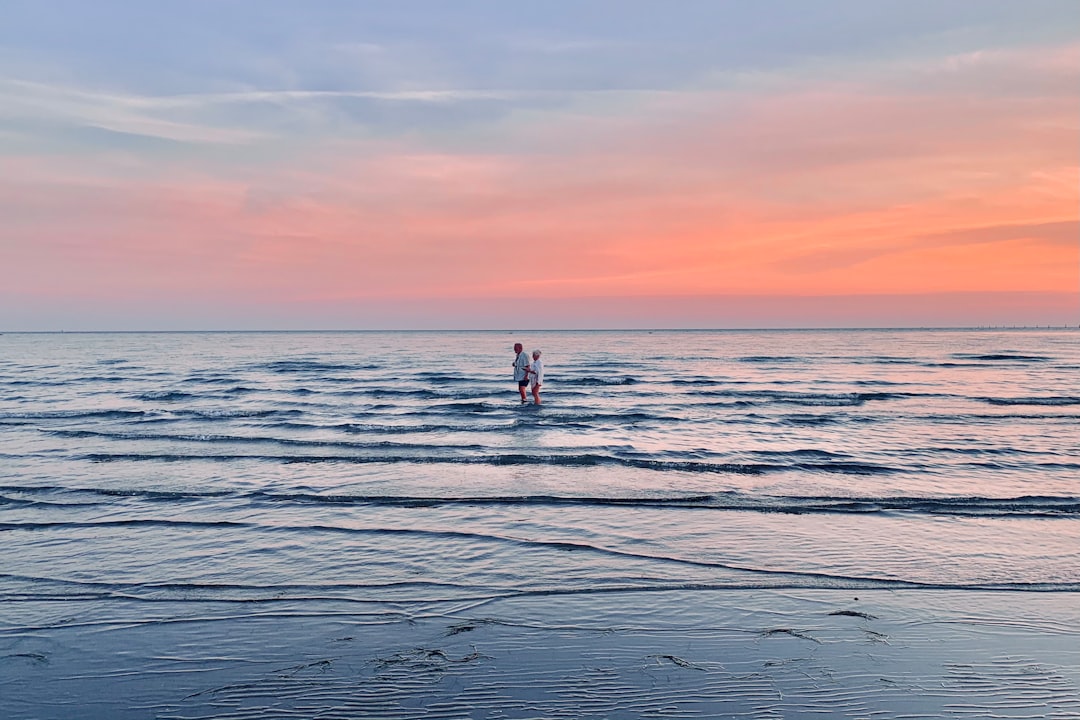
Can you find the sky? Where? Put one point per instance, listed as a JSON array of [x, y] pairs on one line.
[[261, 164]]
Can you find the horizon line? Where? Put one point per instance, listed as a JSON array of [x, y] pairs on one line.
[[904, 328]]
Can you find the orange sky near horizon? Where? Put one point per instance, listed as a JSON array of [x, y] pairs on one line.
[[935, 181]]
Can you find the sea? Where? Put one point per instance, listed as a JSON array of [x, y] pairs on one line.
[[164, 479]]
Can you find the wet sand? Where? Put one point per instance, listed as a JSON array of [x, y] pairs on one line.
[[670, 654]]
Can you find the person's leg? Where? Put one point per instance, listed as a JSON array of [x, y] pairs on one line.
[[536, 393], [521, 389]]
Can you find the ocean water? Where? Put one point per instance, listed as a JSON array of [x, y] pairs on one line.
[[158, 479]]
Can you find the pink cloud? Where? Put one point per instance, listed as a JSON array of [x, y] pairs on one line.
[[827, 189]]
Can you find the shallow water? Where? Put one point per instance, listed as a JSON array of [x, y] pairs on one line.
[[147, 478]]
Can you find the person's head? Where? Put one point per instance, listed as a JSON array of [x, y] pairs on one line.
[[536, 354], [518, 347]]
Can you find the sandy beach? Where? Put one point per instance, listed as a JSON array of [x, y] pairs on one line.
[[670, 654]]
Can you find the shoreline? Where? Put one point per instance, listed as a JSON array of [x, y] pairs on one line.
[[678, 653]]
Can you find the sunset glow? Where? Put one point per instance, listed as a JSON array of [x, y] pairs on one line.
[[543, 174]]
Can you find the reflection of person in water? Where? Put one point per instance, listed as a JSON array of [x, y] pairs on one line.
[[521, 369], [536, 375]]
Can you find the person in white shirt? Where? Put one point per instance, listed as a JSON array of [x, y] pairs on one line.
[[536, 375], [521, 369]]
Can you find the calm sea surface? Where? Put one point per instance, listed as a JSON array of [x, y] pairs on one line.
[[151, 477]]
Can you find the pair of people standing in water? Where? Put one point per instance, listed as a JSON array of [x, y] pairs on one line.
[[528, 374]]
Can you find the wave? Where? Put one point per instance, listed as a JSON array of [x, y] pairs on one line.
[[513, 459], [464, 407], [434, 378], [114, 492], [952, 365], [70, 591], [420, 393], [312, 366], [385, 392], [165, 395], [700, 381], [800, 453], [376, 429], [1049, 401], [210, 379], [852, 399], [204, 588], [259, 440], [976, 451], [599, 381], [36, 383], [557, 417], [578, 460], [335, 379], [1014, 357], [803, 578], [878, 360], [811, 420], [1025, 506], [75, 415], [773, 359], [363, 428], [1004, 417], [1043, 506], [229, 414], [1023, 466]]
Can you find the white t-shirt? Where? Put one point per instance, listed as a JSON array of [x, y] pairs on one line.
[[520, 363], [536, 372]]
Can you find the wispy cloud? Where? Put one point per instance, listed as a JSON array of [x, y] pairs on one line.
[[46, 104], [249, 116], [1062, 234]]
